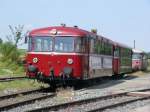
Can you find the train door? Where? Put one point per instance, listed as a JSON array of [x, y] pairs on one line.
[[85, 57], [116, 60]]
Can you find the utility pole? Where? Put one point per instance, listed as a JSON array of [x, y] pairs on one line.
[[134, 44]]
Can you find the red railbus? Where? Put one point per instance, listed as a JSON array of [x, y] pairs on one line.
[[66, 54], [139, 60]]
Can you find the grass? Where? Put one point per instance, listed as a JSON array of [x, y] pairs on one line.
[[20, 84], [8, 68], [11, 66], [11, 69]]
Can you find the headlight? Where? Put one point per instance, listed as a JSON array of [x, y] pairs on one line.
[[70, 61], [35, 60]]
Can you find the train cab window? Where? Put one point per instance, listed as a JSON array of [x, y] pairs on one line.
[[47, 45], [64, 44], [136, 56], [40, 44]]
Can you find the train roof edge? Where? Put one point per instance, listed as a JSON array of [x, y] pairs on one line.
[[73, 30]]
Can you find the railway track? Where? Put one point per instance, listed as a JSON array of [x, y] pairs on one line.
[[96, 104], [11, 78], [18, 99]]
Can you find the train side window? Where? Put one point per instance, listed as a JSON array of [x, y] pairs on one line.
[[116, 52], [96, 46], [111, 47], [99, 46], [144, 56], [92, 46], [108, 49], [80, 44], [102, 47]]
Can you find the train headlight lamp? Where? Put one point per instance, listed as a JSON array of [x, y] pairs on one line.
[[70, 61], [53, 32], [35, 60]]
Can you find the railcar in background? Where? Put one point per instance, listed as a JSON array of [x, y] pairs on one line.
[[139, 60], [122, 59], [67, 54]]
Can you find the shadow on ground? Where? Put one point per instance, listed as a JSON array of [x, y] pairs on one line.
[[104, 82]]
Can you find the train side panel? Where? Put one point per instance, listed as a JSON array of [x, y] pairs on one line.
[[100, 57], [125, 60], [100, 66]]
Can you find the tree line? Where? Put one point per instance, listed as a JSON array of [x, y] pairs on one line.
[[9, 49]]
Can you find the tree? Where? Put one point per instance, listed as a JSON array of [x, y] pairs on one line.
[[1, 41], [17, 35], [8, 49]]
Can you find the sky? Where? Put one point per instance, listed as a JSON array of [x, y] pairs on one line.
[[120, 20]]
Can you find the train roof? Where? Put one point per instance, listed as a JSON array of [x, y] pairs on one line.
[[137, 51], [63, 30], [69, 31], [122, 45], [60, 30]]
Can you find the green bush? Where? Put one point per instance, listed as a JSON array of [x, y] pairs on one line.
[[9, 52], [10, 58]]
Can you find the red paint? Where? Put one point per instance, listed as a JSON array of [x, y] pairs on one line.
[[58, 62], [137, 64], [60, 31], [116, 65]]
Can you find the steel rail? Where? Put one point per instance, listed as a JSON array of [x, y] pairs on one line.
[[28, 101], [22, 93], [64, 105], [11, 78], [79, 102], [118, 104]]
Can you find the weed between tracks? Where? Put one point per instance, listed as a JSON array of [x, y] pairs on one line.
[[65, 94]]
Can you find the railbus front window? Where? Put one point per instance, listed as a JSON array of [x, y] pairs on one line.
[[136, 56], [64, 44], [40, 44]]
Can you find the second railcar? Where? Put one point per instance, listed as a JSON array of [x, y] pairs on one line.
[[139, 60]]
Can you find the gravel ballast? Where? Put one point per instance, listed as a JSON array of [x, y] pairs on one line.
[[110, 87]]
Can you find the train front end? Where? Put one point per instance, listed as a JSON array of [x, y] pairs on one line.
[[54, 55], [136, 59]]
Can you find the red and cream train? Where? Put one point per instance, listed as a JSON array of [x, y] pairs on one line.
[[139, 60], [65, 54]]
